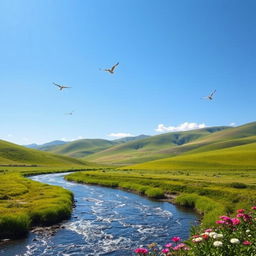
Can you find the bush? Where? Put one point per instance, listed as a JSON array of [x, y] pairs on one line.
[[154, 193]]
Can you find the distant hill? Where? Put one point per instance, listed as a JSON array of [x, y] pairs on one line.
[[127, 139], [230, 148], [12, 154], [150, 148], [85, 147], [46, 146]]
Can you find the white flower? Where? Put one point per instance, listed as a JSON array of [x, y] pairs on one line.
[[249, 235], [212, 234], [217, 243], [234, 241], [197, 240], [217, 236], [248, 231]]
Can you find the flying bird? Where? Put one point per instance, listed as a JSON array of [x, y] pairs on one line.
[[70, 113], [111, 70], [61, 87], [210, 96]]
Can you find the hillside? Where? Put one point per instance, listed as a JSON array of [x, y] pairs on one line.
[[81, 148], [237, 157], [12, 154], [154, 147], [84, 147], [46, 146]]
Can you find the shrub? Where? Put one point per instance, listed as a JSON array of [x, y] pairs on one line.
[[154, 193]]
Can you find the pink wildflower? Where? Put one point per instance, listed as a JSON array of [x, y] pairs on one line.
[[225, 218], [240, 211], [168, 245], [254, 207], [235, 221], [247, 217], [165, 250], [220, 222], [208, 230], [247, 243], [240, 215], [141, 250], [176, 248], [176, 239]]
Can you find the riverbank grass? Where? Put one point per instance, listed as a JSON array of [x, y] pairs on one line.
[[203, 191], [25, 203]]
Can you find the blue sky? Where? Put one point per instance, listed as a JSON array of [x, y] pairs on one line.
[[171, 53]]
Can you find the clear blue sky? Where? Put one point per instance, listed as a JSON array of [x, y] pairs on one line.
[[171, 53]]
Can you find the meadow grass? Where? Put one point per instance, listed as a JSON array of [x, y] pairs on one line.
[[25, 203], [210, 195]]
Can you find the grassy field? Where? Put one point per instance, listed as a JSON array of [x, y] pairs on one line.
[[233, 158], [212, 193]]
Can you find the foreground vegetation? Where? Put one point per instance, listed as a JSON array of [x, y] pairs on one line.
[[232, 236], [211, 194], [25, 203]]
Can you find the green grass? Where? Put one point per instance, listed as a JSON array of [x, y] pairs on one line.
[[238, 157], [212, 193], [24, 203]]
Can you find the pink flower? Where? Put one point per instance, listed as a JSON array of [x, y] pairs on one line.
[[165, 250], [247, 243], [254, 207], [141, 250], [176, 248], [224, 218], [168, 245], [220, 222], [240, 211], [240, 215], [247, 217], [176, 239], [208, 230], [235, 221]]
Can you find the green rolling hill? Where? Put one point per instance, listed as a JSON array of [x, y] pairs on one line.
[[233, 158], [12, 154], [84, 147], [154, 147]]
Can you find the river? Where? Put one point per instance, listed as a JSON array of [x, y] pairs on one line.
[[105, 221]]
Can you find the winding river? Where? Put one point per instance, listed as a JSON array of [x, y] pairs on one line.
[[105, 221]]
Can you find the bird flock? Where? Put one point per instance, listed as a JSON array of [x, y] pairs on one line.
[[111, 71]]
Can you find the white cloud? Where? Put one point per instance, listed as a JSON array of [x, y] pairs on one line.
[[120, 135], [232, 124], [182, 127], [77, 138]]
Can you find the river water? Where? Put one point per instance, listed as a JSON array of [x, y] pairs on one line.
[[105, 221]]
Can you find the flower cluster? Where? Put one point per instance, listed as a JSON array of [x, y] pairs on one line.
[[234, 236]]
